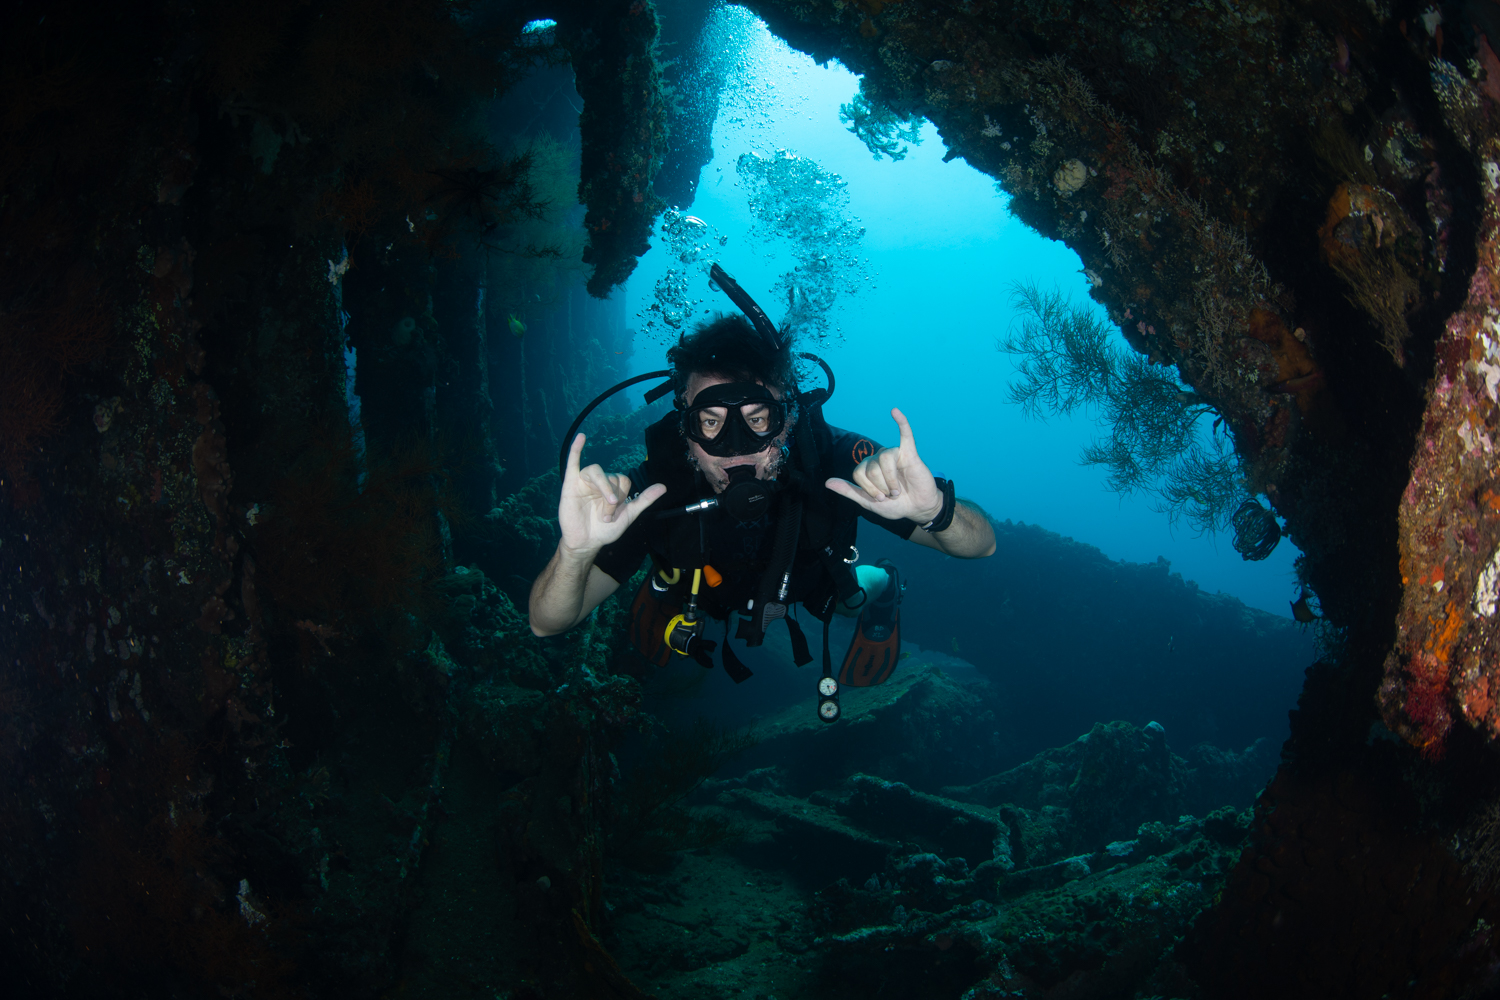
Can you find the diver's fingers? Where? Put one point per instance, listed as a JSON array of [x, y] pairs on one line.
[[860, 476], [570, 474], [869, 476], [891, 460], [634, 508], [908, 441], [621, 484], [594, 476], [844, 488]]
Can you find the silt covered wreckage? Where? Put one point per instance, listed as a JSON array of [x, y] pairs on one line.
[[297, 300]]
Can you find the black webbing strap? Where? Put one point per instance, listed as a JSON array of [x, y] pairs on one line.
[[702, 650], [827, 659], [801, 655], [769, 605], [733, 666], [817, 518], [845, 580]]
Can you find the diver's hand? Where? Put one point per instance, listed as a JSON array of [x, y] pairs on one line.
[[594, 510], [894, 482]]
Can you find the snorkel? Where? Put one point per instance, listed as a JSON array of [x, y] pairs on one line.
[[720, 278], [741, 417]]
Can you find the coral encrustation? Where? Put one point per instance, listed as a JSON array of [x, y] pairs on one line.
[[1444, 658]]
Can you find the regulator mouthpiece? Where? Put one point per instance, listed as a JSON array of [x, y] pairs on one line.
[[746, 498]]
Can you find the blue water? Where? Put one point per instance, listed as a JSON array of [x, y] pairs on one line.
[[921, 335]]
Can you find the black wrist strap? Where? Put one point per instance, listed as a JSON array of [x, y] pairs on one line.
[[945, 516]]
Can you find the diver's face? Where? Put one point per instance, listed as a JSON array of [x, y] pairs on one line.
[[711, 419]]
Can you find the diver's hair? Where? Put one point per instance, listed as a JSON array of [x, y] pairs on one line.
[[729, 347]]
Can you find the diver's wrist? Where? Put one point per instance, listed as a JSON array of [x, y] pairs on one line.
[[578, 554], [943, 516]]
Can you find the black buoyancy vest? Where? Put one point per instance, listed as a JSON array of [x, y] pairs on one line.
[[826, 523]]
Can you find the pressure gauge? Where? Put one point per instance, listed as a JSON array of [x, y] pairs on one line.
[[828, 699]]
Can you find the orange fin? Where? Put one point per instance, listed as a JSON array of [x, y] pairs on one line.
[[869, 662]]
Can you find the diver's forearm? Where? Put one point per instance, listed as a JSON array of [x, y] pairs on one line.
[[557, 595], [970, 536]]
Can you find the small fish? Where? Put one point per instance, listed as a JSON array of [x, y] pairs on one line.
[[1301, 610], [517, 328]]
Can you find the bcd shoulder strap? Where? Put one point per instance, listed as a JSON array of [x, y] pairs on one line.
[[775, 580]]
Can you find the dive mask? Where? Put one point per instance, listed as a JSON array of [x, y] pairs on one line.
[[749, 423]]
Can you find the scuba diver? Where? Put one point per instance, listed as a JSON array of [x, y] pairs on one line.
[[752, 507]]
